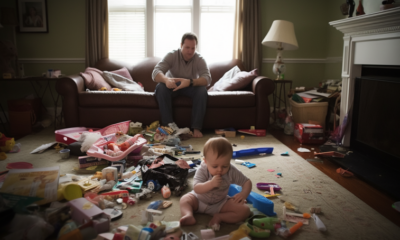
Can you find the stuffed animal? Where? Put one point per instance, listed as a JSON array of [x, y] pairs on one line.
[[6, 144], [7, 53]]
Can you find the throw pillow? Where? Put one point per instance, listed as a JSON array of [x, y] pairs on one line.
[[121, 82], [94, 80], [240, 80], [123, 72], [218, 86]]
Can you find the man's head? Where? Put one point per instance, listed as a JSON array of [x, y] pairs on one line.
[[188, 45], [217, 155]]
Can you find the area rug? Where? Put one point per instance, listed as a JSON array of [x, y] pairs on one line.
[[344, 215]]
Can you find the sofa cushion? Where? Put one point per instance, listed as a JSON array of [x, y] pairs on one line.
[[121, 82], [94, 80], [100, 99], [104, 99]]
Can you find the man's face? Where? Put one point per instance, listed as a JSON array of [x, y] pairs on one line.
[[188, 49], [217, 166]]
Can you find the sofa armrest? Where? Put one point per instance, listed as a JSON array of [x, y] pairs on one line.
[[262, 87], [69, 88]]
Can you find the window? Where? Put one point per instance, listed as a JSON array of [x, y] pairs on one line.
[[139, 28]]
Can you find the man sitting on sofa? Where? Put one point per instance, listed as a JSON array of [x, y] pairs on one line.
[[183, 72]]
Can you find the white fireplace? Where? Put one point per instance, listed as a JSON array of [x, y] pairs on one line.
[[372, 39]]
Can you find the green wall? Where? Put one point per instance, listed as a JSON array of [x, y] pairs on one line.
[[66, 39]]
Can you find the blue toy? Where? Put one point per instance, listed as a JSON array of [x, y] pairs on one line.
[[248, 164], [260, 202], [252, 151]]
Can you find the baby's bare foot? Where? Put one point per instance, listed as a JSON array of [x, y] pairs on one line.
[[187, 220], [214, 223]]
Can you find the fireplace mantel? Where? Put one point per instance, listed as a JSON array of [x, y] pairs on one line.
[[372, 39]]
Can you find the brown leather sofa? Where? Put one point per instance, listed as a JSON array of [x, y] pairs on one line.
[[238, 109]]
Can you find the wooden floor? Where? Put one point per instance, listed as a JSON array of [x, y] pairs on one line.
[[376, 199]]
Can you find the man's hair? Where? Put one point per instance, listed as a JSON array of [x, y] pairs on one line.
[[218, 145], [190, 36]]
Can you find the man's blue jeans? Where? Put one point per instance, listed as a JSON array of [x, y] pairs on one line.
[[198, 94]]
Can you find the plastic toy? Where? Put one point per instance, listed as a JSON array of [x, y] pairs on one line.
[[6, 144], [248, 164], [242, 232], [96, 150], [320, 225], [263, 204], [153, 126], [71, 135], [255, 231], [266, 186], [284, 232], [155, 205], [165, 191], [271, 193], [255, 132], [252, 151], [153, 185], [265, 223]]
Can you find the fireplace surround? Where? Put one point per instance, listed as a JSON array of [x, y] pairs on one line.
[[371, 39], [371, 50]]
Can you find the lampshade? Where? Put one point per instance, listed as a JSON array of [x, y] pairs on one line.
[[281, 31]]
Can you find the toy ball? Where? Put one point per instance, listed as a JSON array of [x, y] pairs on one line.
[[242, 137], [103, 89]]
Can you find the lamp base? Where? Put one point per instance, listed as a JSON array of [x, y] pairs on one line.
[[279, 68]]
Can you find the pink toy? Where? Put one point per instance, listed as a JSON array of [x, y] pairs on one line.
[[266, 186], [97, 149], [165, 191]]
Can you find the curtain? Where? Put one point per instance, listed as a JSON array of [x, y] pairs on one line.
[[96, 31], [247, 41]]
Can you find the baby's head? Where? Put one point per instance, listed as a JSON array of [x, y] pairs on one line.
[[217, 155]]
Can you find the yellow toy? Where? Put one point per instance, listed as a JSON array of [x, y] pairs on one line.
[[153, 126], [242, 232], [6, 144]]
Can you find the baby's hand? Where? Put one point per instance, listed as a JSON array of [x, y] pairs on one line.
[[216, 181], [239, 198]]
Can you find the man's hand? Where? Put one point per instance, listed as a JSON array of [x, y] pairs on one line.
[[216, 181], [184, 83], [238, 198], [170, 83]]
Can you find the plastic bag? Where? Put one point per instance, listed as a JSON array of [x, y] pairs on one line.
[[170, 174]]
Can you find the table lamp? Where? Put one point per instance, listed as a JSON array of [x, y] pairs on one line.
[[280, 36]]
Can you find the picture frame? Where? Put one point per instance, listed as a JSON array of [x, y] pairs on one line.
[[32, 16]]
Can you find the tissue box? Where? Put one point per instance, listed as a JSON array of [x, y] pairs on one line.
[[83, 211], [309, 133]]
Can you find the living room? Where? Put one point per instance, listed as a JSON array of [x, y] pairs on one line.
[[318, 58]]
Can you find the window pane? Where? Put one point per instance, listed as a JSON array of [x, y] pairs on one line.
[[168, 31], [216, 32], [125, 3], [127, 36], [217, 2], [173, 2]]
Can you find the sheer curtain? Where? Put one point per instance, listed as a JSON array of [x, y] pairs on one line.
[[96, 31], [247, 40]]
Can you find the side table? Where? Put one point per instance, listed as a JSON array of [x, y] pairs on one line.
[[279, 92], [55, 97]]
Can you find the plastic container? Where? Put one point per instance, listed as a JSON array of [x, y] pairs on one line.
[[260, 202], [314, 111], [71, 135]]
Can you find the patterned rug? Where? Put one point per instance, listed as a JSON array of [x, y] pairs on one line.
[[344, 215]]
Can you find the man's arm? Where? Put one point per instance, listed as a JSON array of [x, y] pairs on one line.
[[161, 78]]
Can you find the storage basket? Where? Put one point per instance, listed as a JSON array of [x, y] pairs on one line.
[[313, 111]]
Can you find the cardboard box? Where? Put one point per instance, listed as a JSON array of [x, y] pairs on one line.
[[309, 133], [226, 132], [305, 112]]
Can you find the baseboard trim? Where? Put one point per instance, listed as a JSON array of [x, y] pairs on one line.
[[51, 60], [306, 60]]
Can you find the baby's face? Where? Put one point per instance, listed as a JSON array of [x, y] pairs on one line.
[[217, 166]]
